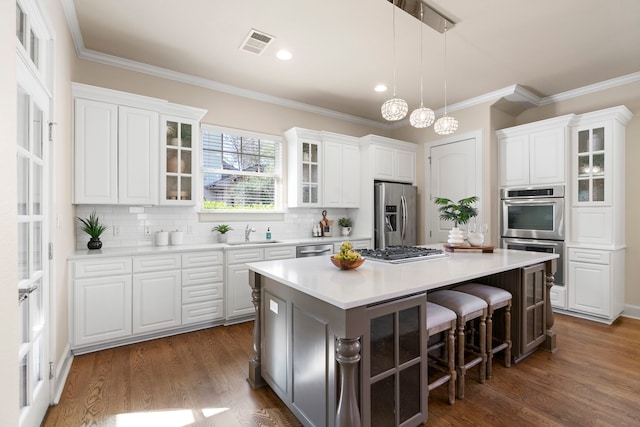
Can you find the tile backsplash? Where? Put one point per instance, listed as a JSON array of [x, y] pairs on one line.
[[127, 225]]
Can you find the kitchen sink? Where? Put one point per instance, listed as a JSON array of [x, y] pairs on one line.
[[252, 242]]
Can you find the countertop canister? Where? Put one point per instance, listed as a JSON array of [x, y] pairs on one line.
[[162, 238], [177, 237]]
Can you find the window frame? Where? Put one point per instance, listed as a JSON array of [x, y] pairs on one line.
[[277, 175]]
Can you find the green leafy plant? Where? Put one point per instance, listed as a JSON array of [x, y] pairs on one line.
[[172, 131], [459, 212], [345, 222], [222, 228], [92, 225]]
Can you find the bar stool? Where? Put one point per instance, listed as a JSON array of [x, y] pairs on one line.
[[467, 307], [495, 298], [441, 319]]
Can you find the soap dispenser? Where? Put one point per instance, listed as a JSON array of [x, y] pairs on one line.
[[268, 233]]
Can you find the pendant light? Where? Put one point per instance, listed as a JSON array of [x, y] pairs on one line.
[[395, 108], [422, 116], [445, 125]]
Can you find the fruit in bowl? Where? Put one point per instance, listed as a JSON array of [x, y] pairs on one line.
[[347, 258]]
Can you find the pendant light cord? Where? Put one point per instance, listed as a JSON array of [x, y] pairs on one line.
[[421, 48], [393, 26], [445, 67]]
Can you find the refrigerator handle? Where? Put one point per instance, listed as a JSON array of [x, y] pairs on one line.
[[403, 200]]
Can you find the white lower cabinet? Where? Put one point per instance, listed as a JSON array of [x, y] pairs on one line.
[[101, 309], [357, 244], [156, 301], [121, 300], [202, 287], [597, 284], [238, 299]]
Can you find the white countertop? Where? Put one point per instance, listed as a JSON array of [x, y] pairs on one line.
[[155, 250], [376, 281]]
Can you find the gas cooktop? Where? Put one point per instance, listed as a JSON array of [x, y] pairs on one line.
[[400, 254]]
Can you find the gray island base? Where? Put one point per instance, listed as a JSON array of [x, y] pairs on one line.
[[348, 348]]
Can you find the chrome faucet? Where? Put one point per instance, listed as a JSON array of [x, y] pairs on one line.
[[247, 231]]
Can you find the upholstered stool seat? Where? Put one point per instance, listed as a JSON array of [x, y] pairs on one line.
[[495, 298], [467, 307], [442, 320]]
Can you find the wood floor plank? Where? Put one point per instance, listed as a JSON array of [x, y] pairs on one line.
[[592, 380]]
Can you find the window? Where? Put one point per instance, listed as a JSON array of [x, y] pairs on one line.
[[241, 170]]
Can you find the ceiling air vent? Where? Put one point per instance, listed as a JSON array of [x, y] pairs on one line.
[[256, 42]]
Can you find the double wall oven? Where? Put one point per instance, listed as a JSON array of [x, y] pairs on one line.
[[532, 219]]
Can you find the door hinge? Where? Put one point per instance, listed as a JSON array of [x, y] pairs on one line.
[[50, 251], [429, 233], [51, 370], [429, 160], [51, 130]]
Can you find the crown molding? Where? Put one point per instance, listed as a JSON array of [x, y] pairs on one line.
[[514, 93], [589, 89]]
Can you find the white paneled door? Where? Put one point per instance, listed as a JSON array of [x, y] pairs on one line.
[[453, 172], [32, 148]]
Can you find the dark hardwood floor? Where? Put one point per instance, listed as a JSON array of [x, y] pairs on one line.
[[199, 379]]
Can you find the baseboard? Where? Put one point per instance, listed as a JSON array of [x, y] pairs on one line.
[[60, 379], [632, 311]]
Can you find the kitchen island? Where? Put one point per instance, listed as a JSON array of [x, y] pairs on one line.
[[347, 348]]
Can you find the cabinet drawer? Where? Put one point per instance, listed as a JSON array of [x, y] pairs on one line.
[[589, 256], [245, 255], [142, 264], [202, 312], [101, 268], [280, 253], [201, 293], [202, 259], [200, 276]]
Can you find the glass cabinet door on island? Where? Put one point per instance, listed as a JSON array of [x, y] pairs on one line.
[[396, 368], [178, 164], [591, 165]]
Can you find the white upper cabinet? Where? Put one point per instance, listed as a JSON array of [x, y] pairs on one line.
[[323, 169], [341, 171], [392, 160], [117, 148], [304, 150], [535, 153], [95, 152], [597, 177], [137, 156], [178, 160]]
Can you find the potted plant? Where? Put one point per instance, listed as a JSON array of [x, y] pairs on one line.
[[93, 228], [346, 224], [172, 133], [459, 212], [223, 229]]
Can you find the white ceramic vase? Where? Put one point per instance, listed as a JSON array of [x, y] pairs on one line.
[[345, 231], [456, 237]]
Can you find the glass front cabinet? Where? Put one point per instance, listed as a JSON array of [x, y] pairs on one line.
[[593, 160], [595, 278], [178, 161], [304, 152]]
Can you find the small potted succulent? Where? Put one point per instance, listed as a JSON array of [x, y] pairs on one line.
[[93, 228], [222, 229], [346, 224]]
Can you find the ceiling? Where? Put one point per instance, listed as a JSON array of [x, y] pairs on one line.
[[342, 49]]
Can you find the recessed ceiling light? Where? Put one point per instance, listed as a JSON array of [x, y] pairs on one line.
[[284, 55], [380, 88]]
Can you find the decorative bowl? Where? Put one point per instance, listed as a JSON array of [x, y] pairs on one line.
[[346, 265]]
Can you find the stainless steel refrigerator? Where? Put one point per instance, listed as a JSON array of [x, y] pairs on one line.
[[395, 214]]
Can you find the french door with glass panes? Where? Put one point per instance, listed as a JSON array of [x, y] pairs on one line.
[[33, 210]]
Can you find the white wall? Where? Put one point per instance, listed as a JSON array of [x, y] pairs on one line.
[[8, 219]]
